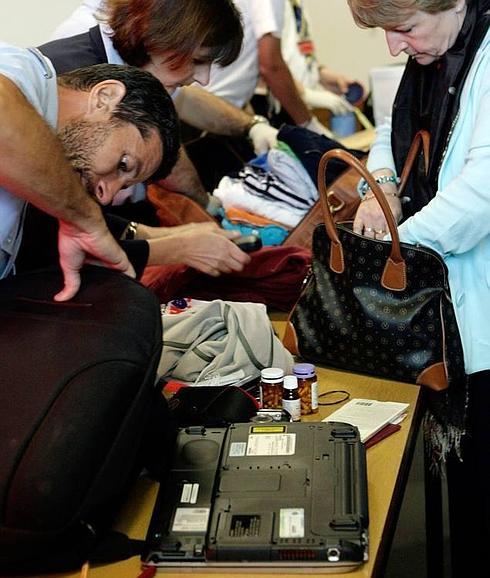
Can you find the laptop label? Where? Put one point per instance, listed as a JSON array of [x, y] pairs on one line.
[[271, 444], [292, 523], [191, 520], [189, 493]]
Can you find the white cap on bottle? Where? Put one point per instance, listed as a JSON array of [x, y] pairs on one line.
[[272, 373], [290, 382]]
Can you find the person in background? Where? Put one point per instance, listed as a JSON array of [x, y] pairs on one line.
[[446, 90], [177, 42], [319, 86], [263, 23]]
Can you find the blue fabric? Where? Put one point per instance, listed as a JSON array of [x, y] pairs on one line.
[[260, 162], [270, 235], [309, 147]]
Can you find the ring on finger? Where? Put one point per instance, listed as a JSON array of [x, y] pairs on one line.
[[380, 232], [368, 230]]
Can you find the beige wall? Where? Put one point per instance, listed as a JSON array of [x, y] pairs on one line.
[[30, 22], [343, 46], [340, 44]]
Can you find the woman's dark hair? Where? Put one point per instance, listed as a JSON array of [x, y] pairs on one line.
[[146, 105], [144, 27]]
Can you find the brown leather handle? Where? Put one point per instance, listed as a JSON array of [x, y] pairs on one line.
[[394, 273], [421, 138]]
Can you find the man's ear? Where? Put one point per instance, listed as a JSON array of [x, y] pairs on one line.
[[104, 97]]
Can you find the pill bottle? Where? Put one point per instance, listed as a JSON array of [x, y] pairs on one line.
[[290, 397], [271, 382], [307, 386]]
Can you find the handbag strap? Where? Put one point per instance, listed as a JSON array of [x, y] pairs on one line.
[[394, 273], [421, 138]]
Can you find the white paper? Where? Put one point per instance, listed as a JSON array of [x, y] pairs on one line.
[[369, 415]]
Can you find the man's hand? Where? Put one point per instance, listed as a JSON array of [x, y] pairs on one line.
[[146, 232], [77, 247], [209, 251], [263, 137]]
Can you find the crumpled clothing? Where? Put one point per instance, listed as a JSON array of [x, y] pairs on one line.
[[220, 338]]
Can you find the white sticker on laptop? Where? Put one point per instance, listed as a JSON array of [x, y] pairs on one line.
[[280, 444], [190, 520], [237, 449], [189, 493], [291, 523]]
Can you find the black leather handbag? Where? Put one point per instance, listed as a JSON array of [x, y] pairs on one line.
[[381, 308]]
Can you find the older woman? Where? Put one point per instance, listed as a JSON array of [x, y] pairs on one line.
[[445, 89]]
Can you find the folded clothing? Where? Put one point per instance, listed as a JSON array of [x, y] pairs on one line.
[[241, 216], [232, 193], [270, 235]]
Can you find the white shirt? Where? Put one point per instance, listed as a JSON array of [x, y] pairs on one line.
[[34, 75], [80, 20], [236, 82]]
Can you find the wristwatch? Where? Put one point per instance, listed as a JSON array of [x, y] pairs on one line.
[[363, 186], [129, 232], [256, 119]]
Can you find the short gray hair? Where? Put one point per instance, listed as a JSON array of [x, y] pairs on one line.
[[390, 13]]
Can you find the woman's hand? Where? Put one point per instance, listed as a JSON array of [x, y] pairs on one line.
[[370, 220]]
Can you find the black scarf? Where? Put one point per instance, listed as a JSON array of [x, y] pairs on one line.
[[428, 97]]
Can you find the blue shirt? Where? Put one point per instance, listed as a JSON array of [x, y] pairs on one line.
[[34, 75]]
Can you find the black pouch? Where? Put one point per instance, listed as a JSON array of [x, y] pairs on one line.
[[212, 405]]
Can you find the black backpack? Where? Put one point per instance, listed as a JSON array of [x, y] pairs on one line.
[[80, 415]]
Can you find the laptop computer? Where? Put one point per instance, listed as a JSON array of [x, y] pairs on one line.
[[279, 495]]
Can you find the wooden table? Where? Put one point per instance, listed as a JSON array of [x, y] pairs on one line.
[[388, 465]]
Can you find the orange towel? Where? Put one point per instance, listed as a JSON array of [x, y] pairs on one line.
[[241, 216]]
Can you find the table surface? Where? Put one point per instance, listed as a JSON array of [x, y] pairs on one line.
[[387, 465]]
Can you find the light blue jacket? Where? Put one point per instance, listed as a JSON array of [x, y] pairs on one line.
[[456, 223]]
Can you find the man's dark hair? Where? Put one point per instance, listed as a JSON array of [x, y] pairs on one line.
[[179, 26], [146, 104]]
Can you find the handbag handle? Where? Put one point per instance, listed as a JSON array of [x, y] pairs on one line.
[[394, 273]]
